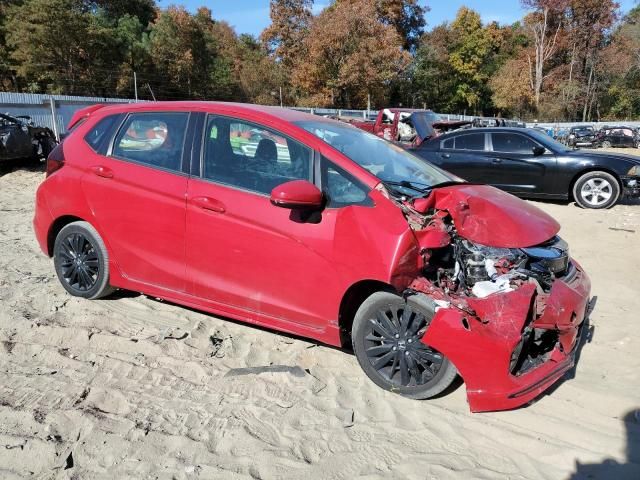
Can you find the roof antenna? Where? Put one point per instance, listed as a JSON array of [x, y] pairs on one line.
[[152, 95]]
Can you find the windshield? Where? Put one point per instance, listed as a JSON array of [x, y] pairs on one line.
[[548, 142], [387, 161]]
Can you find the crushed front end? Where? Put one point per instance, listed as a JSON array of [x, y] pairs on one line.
[[509, 316]]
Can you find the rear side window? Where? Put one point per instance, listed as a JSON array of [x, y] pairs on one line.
[[448, 144], [470, 141], [99, 136], [154, 139], [512, 143]]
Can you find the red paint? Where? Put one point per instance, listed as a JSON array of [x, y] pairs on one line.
[[386, 130], [297, 194], [493, 333], [389, 131], [82, 114], [491, 217], [433, 236], [234, 253]]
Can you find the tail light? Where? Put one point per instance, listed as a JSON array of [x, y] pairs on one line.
[[55, 160]]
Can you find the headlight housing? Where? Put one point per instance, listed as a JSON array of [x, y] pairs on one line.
[[634, 171]]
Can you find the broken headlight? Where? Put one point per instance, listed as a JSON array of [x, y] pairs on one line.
[[634, 171]]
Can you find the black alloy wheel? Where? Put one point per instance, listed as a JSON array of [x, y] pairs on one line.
[[387, 339], [394, 348], [81, 261]]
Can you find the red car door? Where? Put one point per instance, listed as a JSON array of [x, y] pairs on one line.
[[137, 192], [244, 252]]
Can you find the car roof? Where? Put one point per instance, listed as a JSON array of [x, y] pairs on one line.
[[487, 130], [274, 112], [409, 110]]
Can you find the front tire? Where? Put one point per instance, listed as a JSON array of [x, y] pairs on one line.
[[596, 190], [386, 336], [81, 261]]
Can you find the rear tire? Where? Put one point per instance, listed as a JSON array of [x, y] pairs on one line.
[[596, 190], [81, 261], [386, 336]]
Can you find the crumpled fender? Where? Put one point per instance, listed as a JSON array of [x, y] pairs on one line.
[[480, 346]]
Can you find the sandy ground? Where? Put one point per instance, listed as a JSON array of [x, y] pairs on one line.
[[132, 387]]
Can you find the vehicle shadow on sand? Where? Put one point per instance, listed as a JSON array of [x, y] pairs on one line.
[[611, 468], [121, 294]]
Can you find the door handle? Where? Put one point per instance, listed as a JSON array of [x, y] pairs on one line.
[[208, 203], [446, 155], [102, 171], [496, 160]]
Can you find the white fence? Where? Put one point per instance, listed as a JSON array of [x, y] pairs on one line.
[[44, 108]]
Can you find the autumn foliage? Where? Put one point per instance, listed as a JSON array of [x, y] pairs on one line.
[[565, 60]]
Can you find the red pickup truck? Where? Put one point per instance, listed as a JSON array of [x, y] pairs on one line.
[[408, 126]]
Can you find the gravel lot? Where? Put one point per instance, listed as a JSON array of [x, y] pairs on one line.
[[135, 387]]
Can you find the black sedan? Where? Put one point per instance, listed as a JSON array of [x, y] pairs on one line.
[[530, 164], [21, 139]]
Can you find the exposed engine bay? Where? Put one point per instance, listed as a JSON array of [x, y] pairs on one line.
[[459, 266]]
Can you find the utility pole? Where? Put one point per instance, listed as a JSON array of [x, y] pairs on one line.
[[135, 84], [152, 95], [368, 105], [54, 123], [280, 96]]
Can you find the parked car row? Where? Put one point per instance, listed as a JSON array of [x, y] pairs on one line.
[[605, 137]]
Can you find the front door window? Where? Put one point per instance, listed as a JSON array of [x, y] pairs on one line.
[[251, 157]]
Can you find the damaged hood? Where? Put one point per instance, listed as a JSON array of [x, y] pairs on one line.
[[491, 217]]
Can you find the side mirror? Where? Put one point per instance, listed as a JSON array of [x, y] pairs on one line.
[[297, 195], [538, 150]]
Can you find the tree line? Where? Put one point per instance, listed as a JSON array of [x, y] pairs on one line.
[[565, 60]]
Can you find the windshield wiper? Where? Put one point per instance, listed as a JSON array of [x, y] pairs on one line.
[[449, 183], [409, 184]]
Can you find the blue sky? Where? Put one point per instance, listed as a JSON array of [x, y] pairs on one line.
[[252, 16]]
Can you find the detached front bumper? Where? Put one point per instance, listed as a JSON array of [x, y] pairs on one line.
[[630, 186], [517, 344]]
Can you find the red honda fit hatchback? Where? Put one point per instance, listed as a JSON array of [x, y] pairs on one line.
[[314, 227]]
